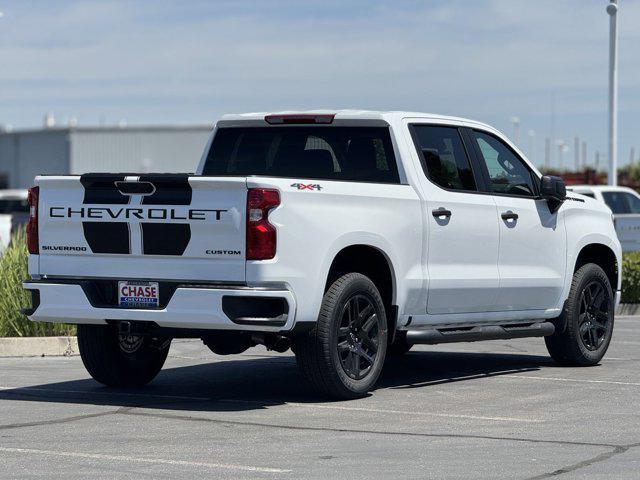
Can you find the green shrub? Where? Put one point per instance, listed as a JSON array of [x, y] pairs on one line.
[[13, 271], [631, 277]]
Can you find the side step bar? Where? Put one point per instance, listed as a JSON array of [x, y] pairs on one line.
[[433, 336]]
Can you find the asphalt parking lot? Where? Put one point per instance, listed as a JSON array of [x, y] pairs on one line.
[[497, 409]]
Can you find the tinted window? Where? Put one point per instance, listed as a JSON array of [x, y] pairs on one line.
[[586, 194], [507, 173], [622, 202], [360, 154], [444, 158]]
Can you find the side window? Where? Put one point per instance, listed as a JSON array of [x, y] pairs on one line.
[[507, 173], [443, 156]]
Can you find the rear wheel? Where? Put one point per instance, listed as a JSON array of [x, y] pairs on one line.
[[588, 318], [342, 356], [121, 360]]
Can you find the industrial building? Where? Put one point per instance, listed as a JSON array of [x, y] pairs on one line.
[[76, 150]]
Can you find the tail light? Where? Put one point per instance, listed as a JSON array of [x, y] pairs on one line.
[[32, 225], [261, 235]]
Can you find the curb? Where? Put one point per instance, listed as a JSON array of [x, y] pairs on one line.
[[38, 346], [628, 309]]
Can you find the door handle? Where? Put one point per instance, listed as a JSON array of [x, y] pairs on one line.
[[441, 212], [509, 216]]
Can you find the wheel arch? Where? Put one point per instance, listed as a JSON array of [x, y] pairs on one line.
[[603, 256], [373, 263]]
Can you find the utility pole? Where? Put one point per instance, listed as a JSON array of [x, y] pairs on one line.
[[576, 153], [584, 154], [632, 156], [612, 10], [597, 160]]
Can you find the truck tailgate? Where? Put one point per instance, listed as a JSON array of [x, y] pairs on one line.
[[152, 226]]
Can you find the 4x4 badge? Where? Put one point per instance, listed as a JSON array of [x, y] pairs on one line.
[[307, 186]]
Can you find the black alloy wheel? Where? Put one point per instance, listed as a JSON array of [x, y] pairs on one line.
[[358, 337], [593, 315]]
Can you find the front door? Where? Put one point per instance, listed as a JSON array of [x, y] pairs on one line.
[[532, 257]]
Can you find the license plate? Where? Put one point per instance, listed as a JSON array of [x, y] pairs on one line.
[[138, 294]]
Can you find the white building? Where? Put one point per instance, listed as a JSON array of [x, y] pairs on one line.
[[76, 150]]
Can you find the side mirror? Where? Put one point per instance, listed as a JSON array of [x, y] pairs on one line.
[[553, 190]]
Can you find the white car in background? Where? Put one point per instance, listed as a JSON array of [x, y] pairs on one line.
[[624, 202], [14, 210]]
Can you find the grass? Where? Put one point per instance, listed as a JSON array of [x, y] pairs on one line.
[[631, 277], [13, 271]]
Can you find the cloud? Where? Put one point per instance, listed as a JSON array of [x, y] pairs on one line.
[[170, 61]]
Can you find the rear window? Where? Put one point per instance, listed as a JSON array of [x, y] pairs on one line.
[[357, 154]]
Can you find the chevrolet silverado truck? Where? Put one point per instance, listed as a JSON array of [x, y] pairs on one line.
[[346, 236]]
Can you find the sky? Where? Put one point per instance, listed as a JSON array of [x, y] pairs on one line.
[[190, 61]]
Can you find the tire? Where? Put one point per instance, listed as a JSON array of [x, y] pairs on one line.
[[342, 356], [118, 361], [400, 346], [587, 317]]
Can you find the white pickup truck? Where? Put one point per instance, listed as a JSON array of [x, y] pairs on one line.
[[347, 236]]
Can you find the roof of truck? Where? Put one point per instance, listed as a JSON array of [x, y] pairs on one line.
[[353, 115], [600, 188], [14, 194]]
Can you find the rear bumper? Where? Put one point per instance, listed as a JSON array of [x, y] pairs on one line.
[[190, 306]]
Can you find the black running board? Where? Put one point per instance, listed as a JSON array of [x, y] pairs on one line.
[[433, 336]]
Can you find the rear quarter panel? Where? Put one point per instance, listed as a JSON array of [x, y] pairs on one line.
[[315, 225]]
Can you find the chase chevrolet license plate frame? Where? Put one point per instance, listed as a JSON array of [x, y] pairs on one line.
[[138, 294]]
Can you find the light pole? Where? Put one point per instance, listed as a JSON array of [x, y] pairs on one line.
[[532, 152], [515, 121], [562, 148], [612, 10]]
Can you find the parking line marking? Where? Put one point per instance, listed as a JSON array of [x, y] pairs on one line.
[[571, 380], [125, 458], [401, 412]]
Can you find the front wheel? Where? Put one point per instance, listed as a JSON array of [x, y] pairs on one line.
[[588, 320], [342, 356], [120, 360]]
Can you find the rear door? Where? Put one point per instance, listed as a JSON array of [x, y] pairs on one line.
[[533, 245], [158, 226], [463, 235]]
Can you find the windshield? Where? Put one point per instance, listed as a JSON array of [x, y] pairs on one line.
[[360, 154], [14, 206], [622, 202]]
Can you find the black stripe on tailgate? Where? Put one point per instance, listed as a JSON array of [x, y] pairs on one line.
[[166, 238], [105, 237]]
